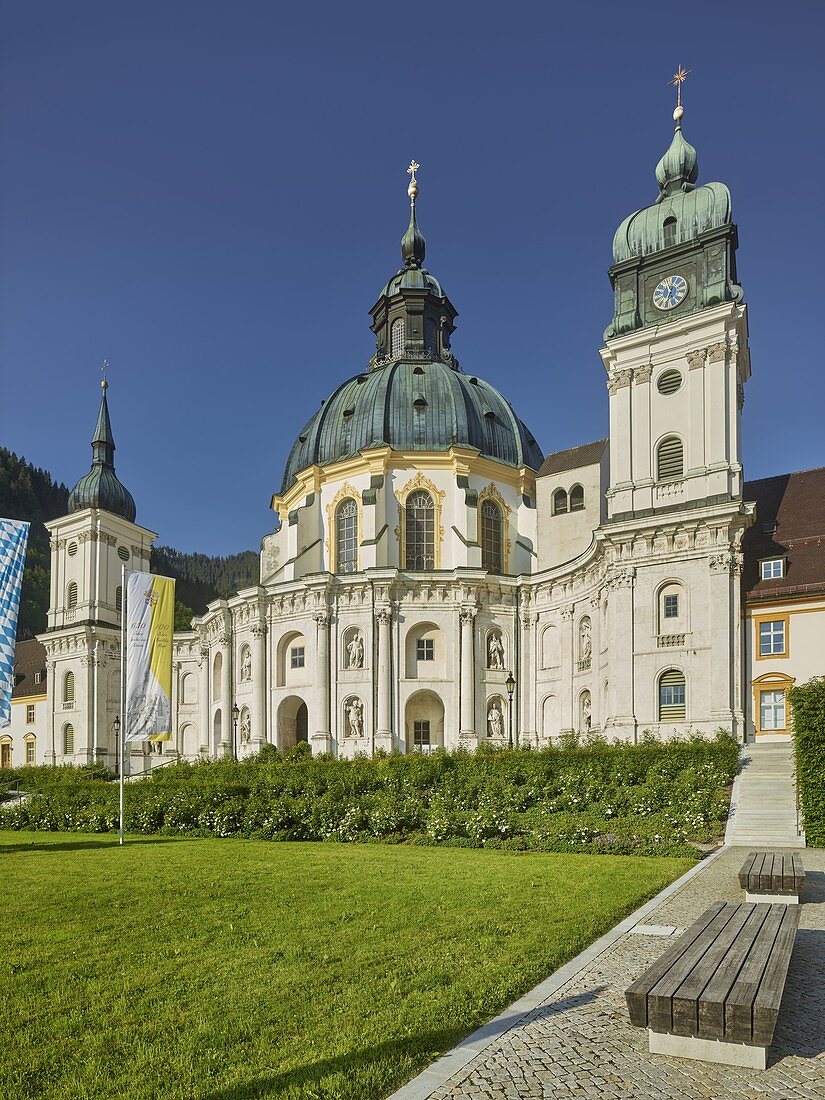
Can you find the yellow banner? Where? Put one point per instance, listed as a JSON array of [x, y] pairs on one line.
[[150, 619]]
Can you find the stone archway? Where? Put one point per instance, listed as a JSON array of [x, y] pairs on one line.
[[424, 722], [293, 722]]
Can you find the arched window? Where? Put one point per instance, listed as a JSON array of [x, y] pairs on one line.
[[419, 531], [119, 599], [671, 608], [669, 232], [492, 537], [68, 687], [346, 536], [68, 739], [31, 749], [559, 502], [430, 335], [672, 694], [670, 464], [576, 498], [397, 338], [71, 595]]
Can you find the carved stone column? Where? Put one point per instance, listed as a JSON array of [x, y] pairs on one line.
[[621, 632], [321, 739], [383, 726], [225, 747], [527, 678], [467, 731], [204, 733], [567, 715], [49, 756], [259, 733], [725, 568]]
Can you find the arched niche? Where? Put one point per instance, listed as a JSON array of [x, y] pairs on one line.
[[189, 689], [550, 647], [496, 719], [424, 722], [495, 649], [217, 670], [550, 717], [425, 652], [353, 649], [292, 660], [292, 722]]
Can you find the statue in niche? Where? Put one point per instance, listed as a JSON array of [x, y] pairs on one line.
[[587, 712], [355, 717], [585, 643], [495, 651], [495, 724], [246, 664], [246, 727], [355, 651]]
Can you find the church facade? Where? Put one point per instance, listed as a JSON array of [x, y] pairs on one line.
[[433, 578]]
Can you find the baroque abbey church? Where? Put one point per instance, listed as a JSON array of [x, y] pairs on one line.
[[433, 578]]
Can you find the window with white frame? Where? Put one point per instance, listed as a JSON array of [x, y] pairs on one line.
[[670, 605], [419, 532], [31, 749], [772, 710], [425, 649], [346, 536], [672, 695], [492, 537], [397, 337], [772, 568], [772, 638], [297, 656], [29, 713]]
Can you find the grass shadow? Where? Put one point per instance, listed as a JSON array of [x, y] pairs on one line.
[[105, 841]]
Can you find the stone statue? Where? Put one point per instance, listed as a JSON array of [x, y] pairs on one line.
[[585, 643], [355, 717], [246, 664], [494, 723], [355, 650], [495, 651], [246, 727], [587, 708]]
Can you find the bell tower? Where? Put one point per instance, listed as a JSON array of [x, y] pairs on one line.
[[676, 352], [89, 548]]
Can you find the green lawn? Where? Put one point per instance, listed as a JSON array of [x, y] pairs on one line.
[[220, 970]]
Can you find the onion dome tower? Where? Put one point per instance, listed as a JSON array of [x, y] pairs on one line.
[[100, 487], [687, 234], [413, 396]]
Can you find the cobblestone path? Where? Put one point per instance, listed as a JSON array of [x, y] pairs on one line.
[[580, 1044]]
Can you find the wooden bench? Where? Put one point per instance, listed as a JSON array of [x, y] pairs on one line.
[[715, 993], [768, 876]]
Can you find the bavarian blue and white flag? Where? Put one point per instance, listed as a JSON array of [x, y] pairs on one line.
[[14, 534]]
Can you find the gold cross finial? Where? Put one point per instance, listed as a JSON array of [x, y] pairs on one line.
[[104, 384], [412, 190], [679, 77]]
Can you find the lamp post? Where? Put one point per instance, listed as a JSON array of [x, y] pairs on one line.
[[510, 684], [116, 731], [235, 713]]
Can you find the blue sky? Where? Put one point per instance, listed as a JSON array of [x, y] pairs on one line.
[[211, 195]]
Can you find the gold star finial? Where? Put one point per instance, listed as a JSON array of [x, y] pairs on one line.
[[104, 385], [679, 77], [412, 190]]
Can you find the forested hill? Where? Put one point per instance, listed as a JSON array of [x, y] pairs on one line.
[[29, 493]]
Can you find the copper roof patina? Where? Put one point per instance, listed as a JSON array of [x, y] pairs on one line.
[[100, 488]]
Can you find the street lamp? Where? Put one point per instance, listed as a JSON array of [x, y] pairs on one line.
[[510, 684], [235, 713], [116, 731]]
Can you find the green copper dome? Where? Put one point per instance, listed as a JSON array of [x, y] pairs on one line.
[[413, 406], [413, 397], [100, 488]]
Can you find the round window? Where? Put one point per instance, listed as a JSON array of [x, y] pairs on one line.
[[123, 553], [669, 382], [71, 549]]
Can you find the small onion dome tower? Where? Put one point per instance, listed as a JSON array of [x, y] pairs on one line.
[[100, 488]]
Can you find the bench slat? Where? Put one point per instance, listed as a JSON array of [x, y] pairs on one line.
[[660, 998], [739, 1002], [769, 997], [686, 998], [637, 991], [765, 876], [712, 1002], [744, 874], [777, 876], [798, 872]]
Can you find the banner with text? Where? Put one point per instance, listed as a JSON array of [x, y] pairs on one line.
[[150, 617], [14, 535]]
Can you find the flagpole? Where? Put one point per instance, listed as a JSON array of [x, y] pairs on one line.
[[122, 679]]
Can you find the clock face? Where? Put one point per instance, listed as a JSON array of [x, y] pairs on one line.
[[670, 292]]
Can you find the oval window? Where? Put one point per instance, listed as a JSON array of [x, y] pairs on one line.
[[123, 553], [669, 382]]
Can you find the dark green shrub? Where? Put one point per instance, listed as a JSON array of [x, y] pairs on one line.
[[808, 710]]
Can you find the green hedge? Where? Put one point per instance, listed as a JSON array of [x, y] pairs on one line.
[[647, 798], [808, 707]]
